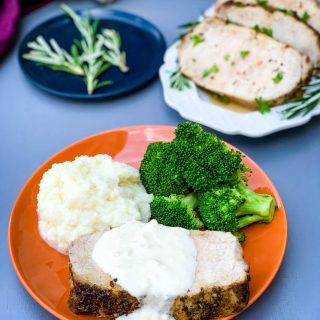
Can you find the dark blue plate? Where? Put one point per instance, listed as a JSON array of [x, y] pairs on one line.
[[142, 41]]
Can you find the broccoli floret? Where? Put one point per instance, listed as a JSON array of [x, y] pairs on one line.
[[176, 211], [230, 209], [208, 162], [160, 171]]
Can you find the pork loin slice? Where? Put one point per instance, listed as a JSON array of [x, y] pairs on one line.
[[221, 285], [241, 63], [284, 28], [307, 10], [93, 292]]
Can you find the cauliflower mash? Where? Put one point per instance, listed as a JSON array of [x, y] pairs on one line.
[[87, 195]]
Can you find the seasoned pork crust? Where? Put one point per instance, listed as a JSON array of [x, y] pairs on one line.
[[220, 288]]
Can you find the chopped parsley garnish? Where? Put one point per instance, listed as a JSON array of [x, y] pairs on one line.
[[290, 13], [306, 16], [226, 57], [264, 106], [233, 63], [178, 80], [222, 99], [196, 39], [212, 70], [244, 54], [278, 77], [264, 30], [261, 2]]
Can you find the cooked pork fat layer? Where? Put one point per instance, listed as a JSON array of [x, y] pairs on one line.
[[241, 63], [220, 287], [306, 10], [280, 26]]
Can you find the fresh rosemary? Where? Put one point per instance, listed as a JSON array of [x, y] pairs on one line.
[[89, 56], [52, 56], [188, 27], [302, 106], [178, 80]]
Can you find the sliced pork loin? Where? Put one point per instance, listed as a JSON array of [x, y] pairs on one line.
[[242, 64], [221, 285], [307, 10], [220, 288], [93, 292], [280, 26]]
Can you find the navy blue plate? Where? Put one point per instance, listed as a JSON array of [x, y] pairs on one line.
[[142, 41]]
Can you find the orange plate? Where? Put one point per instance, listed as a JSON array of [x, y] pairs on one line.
[[44, 271]]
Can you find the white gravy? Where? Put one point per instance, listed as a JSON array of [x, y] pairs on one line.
[[152, 262]]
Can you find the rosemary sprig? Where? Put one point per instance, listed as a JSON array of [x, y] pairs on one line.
[[112, 41], [304, 105], [89, 56], [91, 46], [188, 27], [178, 80], [52, 56]]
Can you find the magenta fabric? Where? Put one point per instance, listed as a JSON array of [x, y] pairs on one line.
[[9, 17], [10, 13]]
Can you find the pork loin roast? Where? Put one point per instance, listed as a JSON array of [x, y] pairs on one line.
[[277, 24], [242, 64], [220, 287]]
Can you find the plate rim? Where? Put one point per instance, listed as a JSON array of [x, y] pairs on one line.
[[15, 261], [106, 14]]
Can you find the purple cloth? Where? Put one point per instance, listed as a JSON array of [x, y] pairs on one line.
[[10, 13], [9, 16]]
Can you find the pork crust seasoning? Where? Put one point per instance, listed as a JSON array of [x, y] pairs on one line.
[[240, 63], [220, 286]]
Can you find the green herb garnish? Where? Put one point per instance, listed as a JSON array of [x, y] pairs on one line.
[[226, 57], [302, 106], [306, 16], [264, 106], [222, 99], [196, 39], [244, 54], [290, 13], [89, 56], [188, 27], [264, 30], [262, 2], [212, 70], [278, 77], [178, 80]]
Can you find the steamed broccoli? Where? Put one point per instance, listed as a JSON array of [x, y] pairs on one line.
[[208, 162], [161, 173], [176, 211], [198, 161], [230, 209]]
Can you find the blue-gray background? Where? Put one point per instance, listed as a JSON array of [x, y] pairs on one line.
[[35, 125]]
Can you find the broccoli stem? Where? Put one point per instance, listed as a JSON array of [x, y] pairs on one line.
[[257, 207], [190, 200], [249, 219]]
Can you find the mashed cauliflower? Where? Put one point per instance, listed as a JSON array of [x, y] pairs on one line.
[[87, 195]]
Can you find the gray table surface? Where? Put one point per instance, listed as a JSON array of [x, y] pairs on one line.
[[34, 125]]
